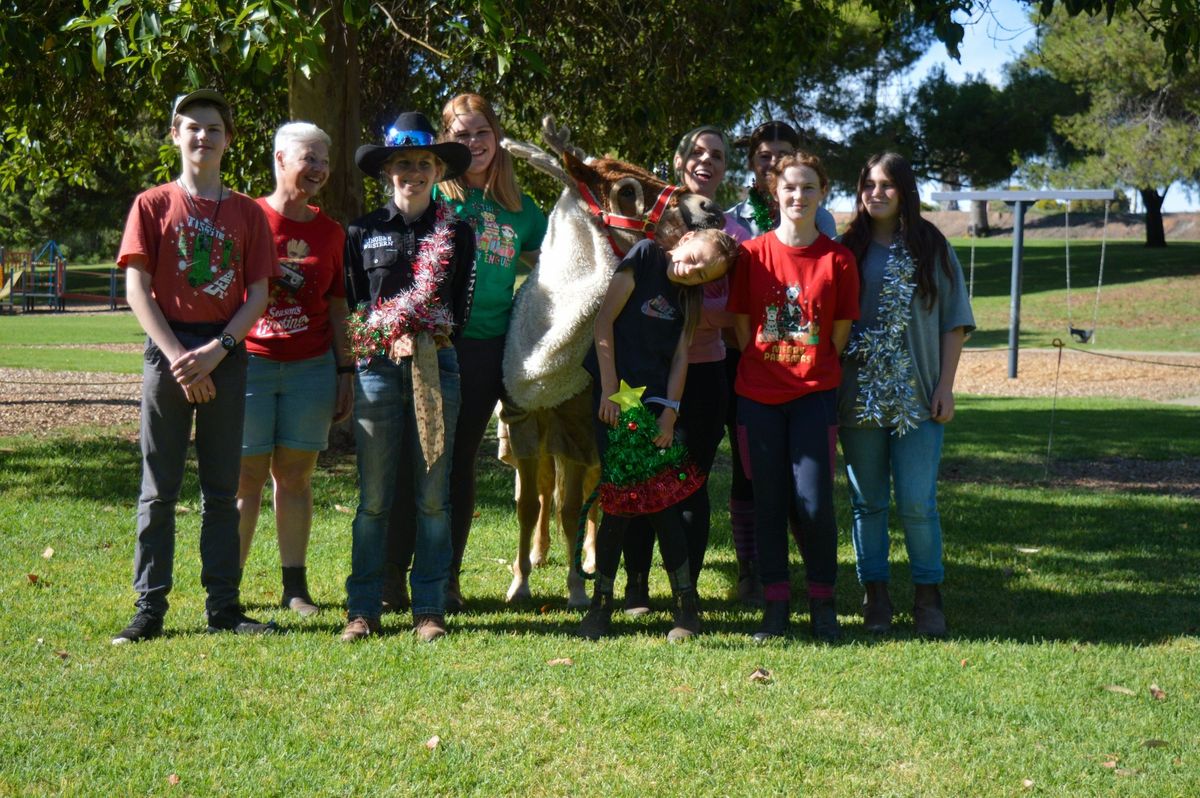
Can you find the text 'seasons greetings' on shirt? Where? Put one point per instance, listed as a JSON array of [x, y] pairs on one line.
[[200, 256]]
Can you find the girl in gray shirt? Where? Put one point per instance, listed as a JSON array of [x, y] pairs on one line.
[[898, 385]]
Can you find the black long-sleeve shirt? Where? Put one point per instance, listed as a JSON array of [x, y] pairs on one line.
[[381, 248]]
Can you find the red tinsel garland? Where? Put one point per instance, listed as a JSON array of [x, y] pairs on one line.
[[670, 486]]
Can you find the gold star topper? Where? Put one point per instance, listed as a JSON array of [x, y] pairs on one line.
[[628, 397]]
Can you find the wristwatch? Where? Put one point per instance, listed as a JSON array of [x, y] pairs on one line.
[[228, 342]]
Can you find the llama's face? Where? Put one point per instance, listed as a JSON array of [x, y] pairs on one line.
[[630, 191]]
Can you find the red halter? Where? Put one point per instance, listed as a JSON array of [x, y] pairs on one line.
[[646, 225]]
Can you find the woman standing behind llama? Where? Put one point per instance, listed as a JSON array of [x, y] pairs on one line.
[[796, 293], [900, 364], [508, 226], [700, 162]]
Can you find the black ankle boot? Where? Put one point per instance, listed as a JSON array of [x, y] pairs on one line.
[[749, 587], [686, 604], [928, 617], [822, 613], [637, 593], [877, 608], [598, 619], [775, 622]]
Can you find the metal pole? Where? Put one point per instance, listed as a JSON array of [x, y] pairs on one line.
[[1014, 308]]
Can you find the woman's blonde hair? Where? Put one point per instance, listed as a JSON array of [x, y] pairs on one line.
[[501, 185]]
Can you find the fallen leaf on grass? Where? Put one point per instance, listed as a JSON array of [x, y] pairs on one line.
[[683, 688], [761, 675], [477, 515], [1116, 688], [341, 508], [61, 654], [1158, 693], [560, 661], [1155, 744], [182, 509], [433, 742], [36, 580], [48, 553], [1110, 761], [173, 779], [962, 663], [1027, 784], [1027, 550], [545, 608]]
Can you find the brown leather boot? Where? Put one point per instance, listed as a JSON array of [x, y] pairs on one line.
[[429, 627], [928, 617], [877, 608]]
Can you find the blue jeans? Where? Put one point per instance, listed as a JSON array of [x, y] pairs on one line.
[[385, 429], [166, 426], [876, 460]]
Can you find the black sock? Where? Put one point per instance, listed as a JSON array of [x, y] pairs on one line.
[[295, 582]]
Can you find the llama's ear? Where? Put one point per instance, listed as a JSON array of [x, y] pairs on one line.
[[537, 157], [559, 139]]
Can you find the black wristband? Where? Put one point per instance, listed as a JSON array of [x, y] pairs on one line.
[[345, 369]]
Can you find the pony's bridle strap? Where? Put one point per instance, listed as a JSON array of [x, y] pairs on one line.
[[646, 225]]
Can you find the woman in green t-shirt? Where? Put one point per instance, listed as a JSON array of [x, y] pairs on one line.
[[508, 226]]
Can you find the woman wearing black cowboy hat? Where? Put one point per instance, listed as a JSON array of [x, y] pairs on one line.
[[409, 270]]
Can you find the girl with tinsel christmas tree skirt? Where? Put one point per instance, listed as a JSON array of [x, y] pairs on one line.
[[643, 330], [409, 267], [796, 294], [898, 386]]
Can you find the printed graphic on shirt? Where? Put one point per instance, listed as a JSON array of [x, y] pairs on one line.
[[788, 325], [495, 242], [285, 315], [205, 255], [659, 308]]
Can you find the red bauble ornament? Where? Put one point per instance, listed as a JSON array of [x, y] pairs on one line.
[[632, 425]]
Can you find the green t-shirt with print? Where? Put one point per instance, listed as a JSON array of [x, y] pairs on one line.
[[500, 237]]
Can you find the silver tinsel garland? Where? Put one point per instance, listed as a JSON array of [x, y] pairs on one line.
[[886, 395]]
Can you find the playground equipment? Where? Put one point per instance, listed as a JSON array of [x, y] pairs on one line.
[[1021, 200], [27, 279], [1084, 335]]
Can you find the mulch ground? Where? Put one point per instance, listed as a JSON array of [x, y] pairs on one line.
[[43, 403]]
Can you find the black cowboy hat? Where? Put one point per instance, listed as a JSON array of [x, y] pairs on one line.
[[412, 131]]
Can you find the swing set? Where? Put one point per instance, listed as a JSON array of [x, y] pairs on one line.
[[1021, 200]]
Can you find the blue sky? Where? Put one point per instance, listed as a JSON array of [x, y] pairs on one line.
[[993, 38]]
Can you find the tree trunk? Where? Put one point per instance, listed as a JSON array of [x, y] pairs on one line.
[[979, 218], [330, 100], [1155, 235]]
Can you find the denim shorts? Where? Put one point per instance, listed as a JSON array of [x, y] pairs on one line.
[[289, 403]]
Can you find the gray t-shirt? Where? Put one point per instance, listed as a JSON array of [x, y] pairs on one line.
[[924, 332]]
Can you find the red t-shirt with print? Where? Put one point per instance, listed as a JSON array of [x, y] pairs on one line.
[[200, 254], [793, 295], [296, 324]]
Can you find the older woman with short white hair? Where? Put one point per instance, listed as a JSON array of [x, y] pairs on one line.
[[299, 376]]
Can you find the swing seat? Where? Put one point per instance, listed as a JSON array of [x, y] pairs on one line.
[[1081, 335]]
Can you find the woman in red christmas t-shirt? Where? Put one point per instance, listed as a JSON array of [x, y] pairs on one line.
[[298, 380], [796, 293]]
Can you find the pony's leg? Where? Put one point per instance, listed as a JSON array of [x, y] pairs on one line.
[[527, 515], [540, 553], [573, 479], [591, 479]]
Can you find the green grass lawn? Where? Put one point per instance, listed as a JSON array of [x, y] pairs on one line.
[[67, 341], [1060, 601], [1147, 301]]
